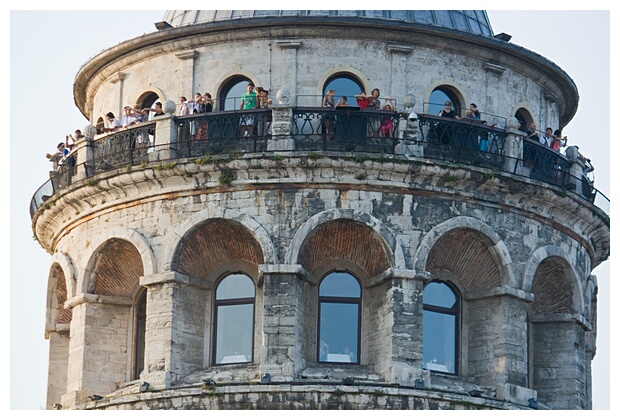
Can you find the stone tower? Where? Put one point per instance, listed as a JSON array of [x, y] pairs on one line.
[[297, 255]]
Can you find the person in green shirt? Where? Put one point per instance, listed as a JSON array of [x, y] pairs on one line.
[[246, 122]]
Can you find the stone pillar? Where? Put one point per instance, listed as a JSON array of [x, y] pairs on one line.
[[576, 169], [85, 164], [97, 347], [289, 321], [560, 361], [281, 127], [119, 78], [288, 64], [405, 335], [497, 335], [177, 332], [513, 148], [186, 74], [165, 134], [493, 75], [58, 364], [399, 55]]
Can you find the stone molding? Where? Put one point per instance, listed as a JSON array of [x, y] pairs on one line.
[[172, 277], [82, 298]]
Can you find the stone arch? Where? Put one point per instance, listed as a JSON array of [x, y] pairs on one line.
[[67, 266], [57, 295], [215, 242], [223, 81], [451, 85], [547, 270], [343, 69], [258, 231], [114, 269], [392, 245], [141, 244], [527, 113], [477, 233], [147, 97]]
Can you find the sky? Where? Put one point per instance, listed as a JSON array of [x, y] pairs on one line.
[[47, 48]]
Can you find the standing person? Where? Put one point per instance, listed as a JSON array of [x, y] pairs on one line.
[[547, 138], [473, 112], [532, 134], [248, 101], [206, 105], [139, 113], [264, 118], [111, 123], [328, 118], [157, 110], [362, 100], [128, 119], [448, 112], [387, 125], [373, 101]]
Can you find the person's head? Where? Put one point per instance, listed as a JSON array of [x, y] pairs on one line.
[[532, 126], [158, 105], [331, 92], [557, 133], [60, 147], [259, 89], [548, 131], [363, 93], [208, 95], [250, 87], [197, 95], [448, 105], [375, 92], [110, 116], [78, 134], [343, 100], [472, 107], [137, 107], [387, 107], [182, 99], [127, 110]]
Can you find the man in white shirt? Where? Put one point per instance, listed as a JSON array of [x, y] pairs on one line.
[[548, 137], [128, 119]]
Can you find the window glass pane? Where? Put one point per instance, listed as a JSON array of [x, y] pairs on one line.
[[439, 294], [423, 16], [344, 87], [234, 333], [439, 342], [340, 285], [443, 18], [459, 21], [232, 98], [437, 100], [235, 286], [339, 332]]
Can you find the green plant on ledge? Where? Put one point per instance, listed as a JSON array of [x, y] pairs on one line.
[[203, 160], [226, 177]]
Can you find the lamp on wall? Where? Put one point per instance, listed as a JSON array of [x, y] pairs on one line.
[[95, 397], [145, 387], [533, 403], [266, 379], [162, 25]]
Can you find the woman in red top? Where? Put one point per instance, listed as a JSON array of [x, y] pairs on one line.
[[362, 100]]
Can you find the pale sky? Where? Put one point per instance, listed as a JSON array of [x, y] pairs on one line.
[[47, 49]]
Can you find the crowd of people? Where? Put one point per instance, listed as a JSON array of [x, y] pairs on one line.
[[63, 156]]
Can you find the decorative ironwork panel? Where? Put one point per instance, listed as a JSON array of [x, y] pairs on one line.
[[123, 148], [465, 141], [350, 130], [545, 164]]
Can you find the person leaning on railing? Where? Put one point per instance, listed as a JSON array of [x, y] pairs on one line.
[[111, 123]]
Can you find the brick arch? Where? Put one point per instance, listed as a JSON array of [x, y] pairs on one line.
[[551, 288], [466, 254], [549, 273], [486, 239], [115, 269], [344, 240], [56, 297], [215, 242]]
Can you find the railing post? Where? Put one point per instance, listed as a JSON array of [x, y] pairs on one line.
[[408, 127], [165, 143], [85, 157], [282, 123], [513, 148], [576, 168]]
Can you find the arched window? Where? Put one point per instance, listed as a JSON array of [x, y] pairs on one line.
[[524, 119], [140, 335], [148, 100], [345, 84], [439, 97], [234, 320], [231, 92], [340, 297], [440, 327]]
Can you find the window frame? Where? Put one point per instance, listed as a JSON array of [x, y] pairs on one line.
[[139, 345], [226, 87], [343, 300], [232, 302], [456, 312]]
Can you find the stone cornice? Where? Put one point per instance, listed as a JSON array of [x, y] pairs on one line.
[[82, 298]]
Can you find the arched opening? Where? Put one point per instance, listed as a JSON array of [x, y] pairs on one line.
[[442, 94], [340, 299], [148, 100], [524, 118], [440, 327], [234, 320], [345, 84], [229, 97]]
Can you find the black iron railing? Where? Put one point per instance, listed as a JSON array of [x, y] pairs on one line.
[[545, 164], [464, 141], [215, 133], [345, 129], [120, 149]]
